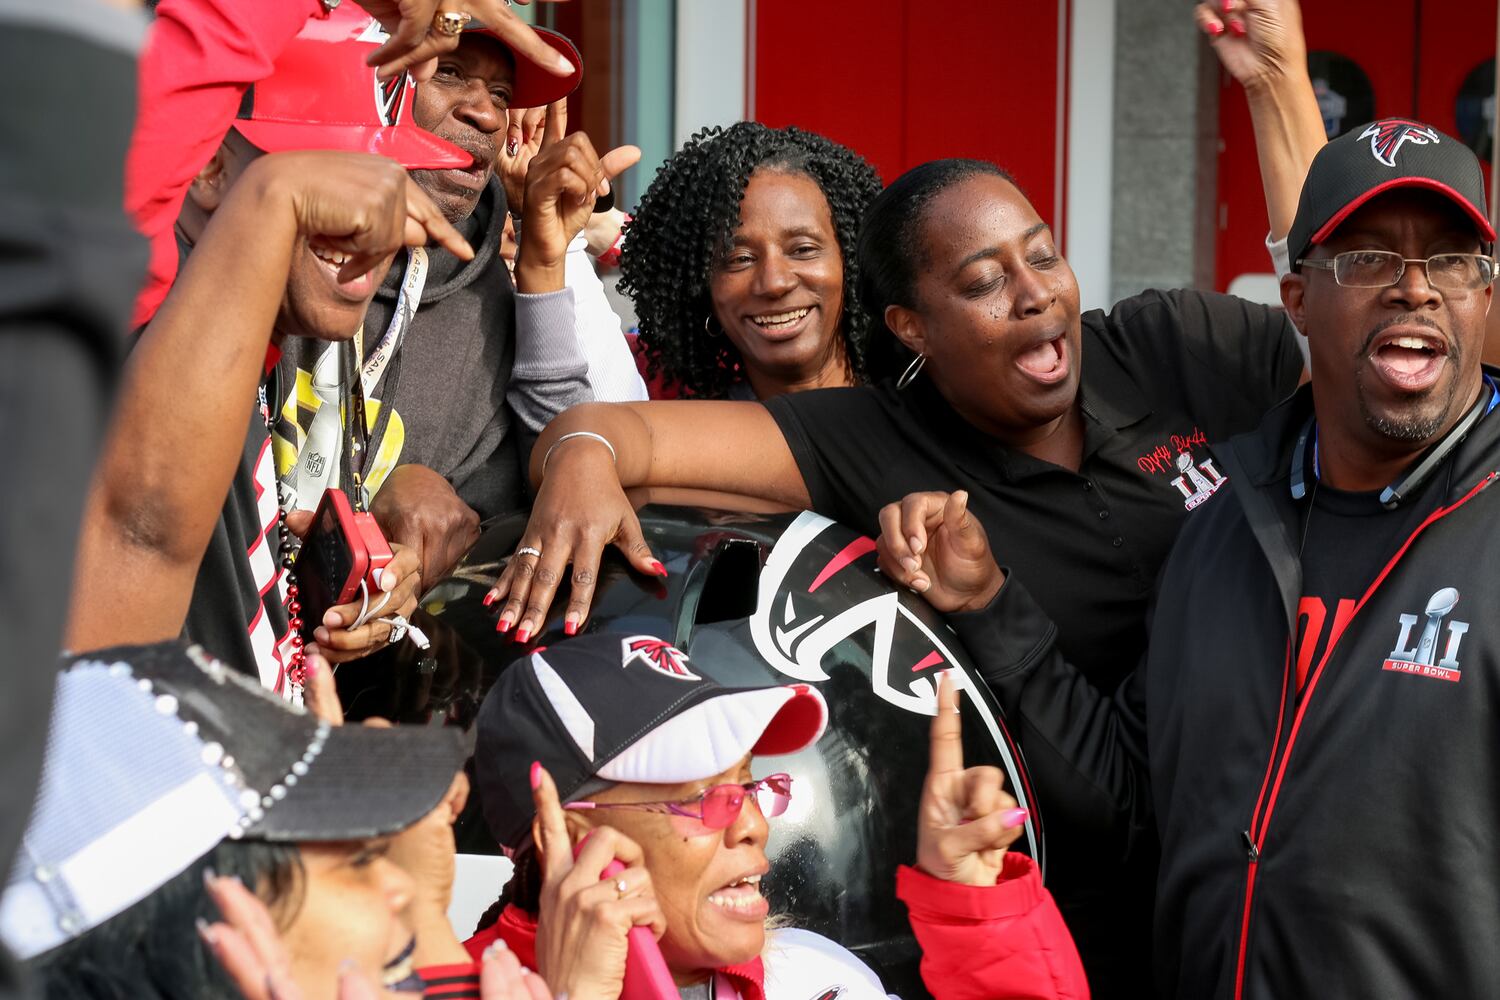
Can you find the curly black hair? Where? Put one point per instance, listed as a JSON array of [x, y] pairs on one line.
[[891, 252], [687, 218]]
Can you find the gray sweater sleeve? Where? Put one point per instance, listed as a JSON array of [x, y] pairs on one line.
[[551, 370]]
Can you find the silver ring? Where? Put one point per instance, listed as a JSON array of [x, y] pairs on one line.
[[527, 550], [399, 626], [620, 887]]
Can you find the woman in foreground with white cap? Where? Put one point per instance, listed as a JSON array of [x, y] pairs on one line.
[[625, 730]]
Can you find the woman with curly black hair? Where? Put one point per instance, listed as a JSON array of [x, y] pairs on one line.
[[741, 259]]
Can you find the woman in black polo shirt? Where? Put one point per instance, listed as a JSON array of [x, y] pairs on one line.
[[1081, 476]]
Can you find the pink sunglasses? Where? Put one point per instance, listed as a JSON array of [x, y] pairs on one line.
[[717, 807]]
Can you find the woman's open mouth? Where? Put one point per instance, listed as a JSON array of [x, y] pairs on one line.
[[1047, 362], [741, 899]]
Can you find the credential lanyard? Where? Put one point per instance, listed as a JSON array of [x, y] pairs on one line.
[[359, 438]]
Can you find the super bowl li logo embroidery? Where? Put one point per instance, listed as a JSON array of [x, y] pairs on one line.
[[1422, 659], [1197, 479]]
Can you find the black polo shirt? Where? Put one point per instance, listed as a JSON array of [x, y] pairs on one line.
[[1164, 373]]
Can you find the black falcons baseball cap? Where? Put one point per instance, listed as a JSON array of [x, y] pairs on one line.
[[1372, 159], [619, 708], [155, 754]]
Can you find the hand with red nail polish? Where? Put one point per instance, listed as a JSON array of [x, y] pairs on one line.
[[965, 820], [1259, 42]]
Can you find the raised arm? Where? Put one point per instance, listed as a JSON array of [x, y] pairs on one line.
[[1260, 43], [588, 456], [160, 483]]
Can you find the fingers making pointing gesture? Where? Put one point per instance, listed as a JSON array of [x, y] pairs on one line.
[[966, 820]]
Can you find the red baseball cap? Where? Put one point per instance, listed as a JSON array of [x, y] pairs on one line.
[[535, 87], [321, 95]]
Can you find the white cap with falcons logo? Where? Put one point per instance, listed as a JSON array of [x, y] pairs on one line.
[[608, 707]]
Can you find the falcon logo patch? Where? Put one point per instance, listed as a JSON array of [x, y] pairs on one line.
[[388, 97], [663, 657], [1387, 137]]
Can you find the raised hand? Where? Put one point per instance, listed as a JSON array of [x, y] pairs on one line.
[[523, 139], [1258, 41], [357, 204], [563, 180], [415, 46], [581, 941], [965, 820], [932, 544]]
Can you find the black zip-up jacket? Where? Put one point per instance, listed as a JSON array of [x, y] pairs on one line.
[[1344, 844]]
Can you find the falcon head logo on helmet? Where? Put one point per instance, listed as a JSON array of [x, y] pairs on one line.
[[1387, 137], [663, 657]]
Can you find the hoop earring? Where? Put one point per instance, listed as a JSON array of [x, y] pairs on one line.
[[912, 371], [708, 329]]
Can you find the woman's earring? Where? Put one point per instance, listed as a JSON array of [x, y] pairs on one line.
[[912, 371], [708, 328]]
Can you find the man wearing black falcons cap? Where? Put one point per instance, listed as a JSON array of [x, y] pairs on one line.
[[1315, 719]]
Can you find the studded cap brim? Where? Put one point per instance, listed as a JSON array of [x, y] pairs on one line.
[[156, 754], [361, 782]]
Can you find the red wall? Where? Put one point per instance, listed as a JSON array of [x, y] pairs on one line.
[[906, 81]]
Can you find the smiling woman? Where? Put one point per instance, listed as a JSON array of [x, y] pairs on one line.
[[740, 262]]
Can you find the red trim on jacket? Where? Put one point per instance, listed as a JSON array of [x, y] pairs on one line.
[[987, 941], [1258, 843], [199, 58]]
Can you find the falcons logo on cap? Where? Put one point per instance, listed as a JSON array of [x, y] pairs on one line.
[[663, 657], [388, 96], [1387, 137]]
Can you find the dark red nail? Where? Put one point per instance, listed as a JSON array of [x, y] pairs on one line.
[[570, 628], [522, 634], [502, 626], [1237, 27], [490, 598], [658, 567], [1215, 28]]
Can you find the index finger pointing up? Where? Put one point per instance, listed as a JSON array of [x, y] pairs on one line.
[[551, 829], [946, 750], [557, 122]]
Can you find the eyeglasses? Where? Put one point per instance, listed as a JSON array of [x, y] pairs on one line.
[[1454, 272], [717, 807]]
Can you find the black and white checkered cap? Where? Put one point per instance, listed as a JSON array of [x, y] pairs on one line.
[[155, 754]]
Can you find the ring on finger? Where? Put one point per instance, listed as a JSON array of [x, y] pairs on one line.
[[529, 550], [450, 23], [621, 887]]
